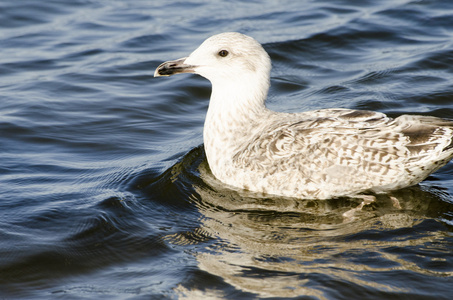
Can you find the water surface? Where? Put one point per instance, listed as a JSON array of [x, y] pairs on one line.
[[105, 188]]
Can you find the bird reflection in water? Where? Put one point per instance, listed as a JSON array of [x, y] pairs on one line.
[[285, 247]]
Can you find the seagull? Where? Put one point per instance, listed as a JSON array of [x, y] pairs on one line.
[[319, 154]]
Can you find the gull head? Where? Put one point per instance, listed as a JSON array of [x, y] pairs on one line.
[[223, 57]]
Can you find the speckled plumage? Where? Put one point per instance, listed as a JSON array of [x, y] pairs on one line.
[[317, 154]]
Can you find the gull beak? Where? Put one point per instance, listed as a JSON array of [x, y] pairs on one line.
[[169, 68]]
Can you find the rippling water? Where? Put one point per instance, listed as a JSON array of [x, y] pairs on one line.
[[105, 189]]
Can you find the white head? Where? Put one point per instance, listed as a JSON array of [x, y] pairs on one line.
[[223, 57]]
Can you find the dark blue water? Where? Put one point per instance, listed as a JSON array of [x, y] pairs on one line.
[[105, 188]]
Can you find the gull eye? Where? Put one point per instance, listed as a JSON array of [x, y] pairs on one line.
[[223, 53]]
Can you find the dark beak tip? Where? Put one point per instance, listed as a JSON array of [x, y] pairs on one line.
[[169, 68], [162, 72]]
